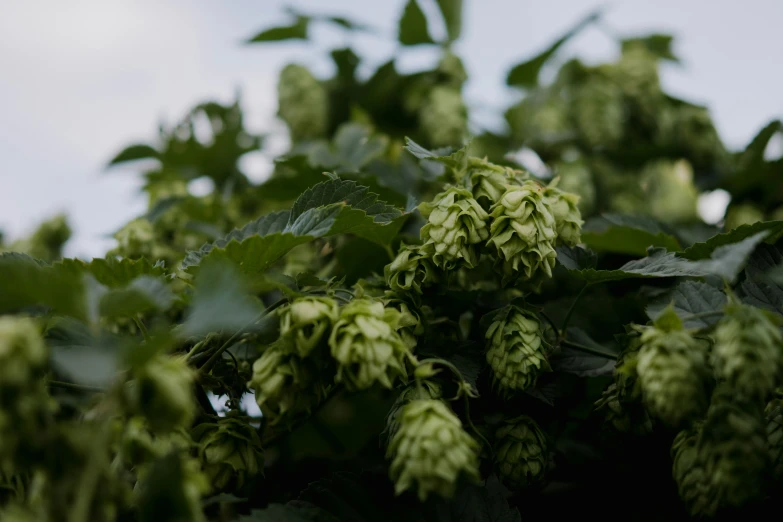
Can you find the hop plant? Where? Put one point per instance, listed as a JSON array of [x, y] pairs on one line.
[[523, 232], [162, 393], [456, 225], [521, 452], [303, 103], [367, 346], [23, 355], [488, 181], [748, 349], [515, 349], [431, 450], [411, 271], [306, 322], [688, 471], [444, 117], [672, 373], [565, 209], [285, 386], [230, 450], [733, 447]]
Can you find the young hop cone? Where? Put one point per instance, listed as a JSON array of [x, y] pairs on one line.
[[23, 354], [521, 452], [306, 322], [523, 233], [444, 117], [411, 271], [688, 471], [565, 209], [672, 373], [230, 450], [412, 392], [163, 393], [488, 181], [303, 103], [748, 349], [774, 414], [456, 226], [367, 345], [515, 350], [431, 450]]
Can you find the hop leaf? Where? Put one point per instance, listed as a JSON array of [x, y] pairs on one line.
[[688, 471], [367, 346], [230, 450], [673, 375], [515, 349], [456, 225], [747, 351], [411, 271], [431, 450], [162, 393], [565, 209], [523, 231], [306, 322], [521, 452], [303, 103], [285, 386]]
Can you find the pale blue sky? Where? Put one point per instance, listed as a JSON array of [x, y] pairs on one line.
[[82, 78]]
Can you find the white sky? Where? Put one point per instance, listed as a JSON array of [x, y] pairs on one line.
[[81, 79]]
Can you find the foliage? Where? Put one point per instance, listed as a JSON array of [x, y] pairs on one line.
[[425, 329]]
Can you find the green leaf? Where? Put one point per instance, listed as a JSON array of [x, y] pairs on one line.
[[658, 44], [761, 288], [452, 15], [135, 152], [457, 160], [478, 503], [572, 360], [143, 294], [352, 149], [162, 493], [627, 234], [82, 356], [294, 511], [526, 73], [296, 31], [348, 193], [576, 258], [705, 250], [413, 26], [221, 301], [114, 272], [469, 357], [689, 298]]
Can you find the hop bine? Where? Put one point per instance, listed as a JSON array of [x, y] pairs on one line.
[[521, 452], [430, 450]]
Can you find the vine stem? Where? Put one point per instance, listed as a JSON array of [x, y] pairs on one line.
[[571, 310], [587, 349], [74, 386], [142, 329], [701, 315]]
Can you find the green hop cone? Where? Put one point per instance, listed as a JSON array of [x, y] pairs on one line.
[[688, 471], [747, 350], [523, 232], [521, 453], [431, 450], [599, 111], [285, 386], [774, 414], [742, 214], [135, 239], [565, 209], [488, 181], [230, 450], [443, 117], [23, 354], [672, 195], [411, 271], [162, 393], [624, 418], [306, 322], [456, 225], [733, 447], [303, 103], [47, 241], [673, 375], [515, 349], [367, 345], [412, 392]]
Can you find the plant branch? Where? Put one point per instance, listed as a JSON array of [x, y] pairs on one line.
[[74, 386], [587, 349], [571, 310], [142, 328]]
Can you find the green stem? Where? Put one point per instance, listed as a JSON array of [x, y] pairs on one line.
[[74, 386], [571, 310], [587, 349], [550, 321], [701, 315], [142, 328], [476, 430]]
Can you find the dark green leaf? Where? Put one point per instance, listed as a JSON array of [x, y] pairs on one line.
[[113, 272], [80, 355], [456, 160], [705, 250], [479, 503], [295, 511], [761, 288], [135, 152], [413, 26], [658, 44], [526, 74], [143, 294], [452, 15], [572, 360], [162, 493], [576, 258], [297, 31], [689, 298], [627, 234], [343, 192]]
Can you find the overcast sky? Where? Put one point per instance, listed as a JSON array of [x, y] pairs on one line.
[[81, 79]]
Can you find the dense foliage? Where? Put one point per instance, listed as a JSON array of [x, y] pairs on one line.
[[426, 329]]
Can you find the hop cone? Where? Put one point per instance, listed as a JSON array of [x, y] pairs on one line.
[[47, 241], [742, 214], [285, 386], [774, 415], [412, 392], [521, 452], [411, 271], [747, 351], [688, 471], [565, 209], [443, 117], [367, 346], [162, 392], [600, 113], [230, 449], [23, 355], [303, 103], [456, 224], [515, 349], [523, 231], [539, 119], [431, 450], [672, 375], [306, 322], [576, 178], [625, 418], [733, 447], [488, 181], [672, 194]]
